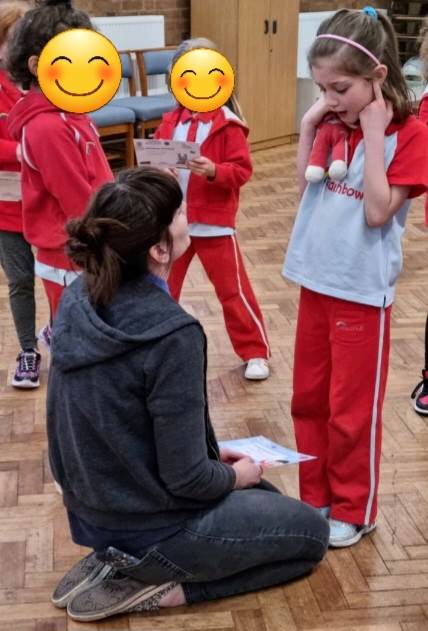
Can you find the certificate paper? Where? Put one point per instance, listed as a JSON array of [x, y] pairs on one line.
[[263, 450], [172, 154], [10, 186]]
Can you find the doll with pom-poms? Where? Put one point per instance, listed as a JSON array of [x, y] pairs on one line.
[[331, 138]]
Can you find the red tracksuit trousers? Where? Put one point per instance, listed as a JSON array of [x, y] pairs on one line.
[[222, 261], [53, 293], [340, 372]]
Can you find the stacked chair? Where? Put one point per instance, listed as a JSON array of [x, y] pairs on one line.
[[113, 121], [149, 108], [134, 114]]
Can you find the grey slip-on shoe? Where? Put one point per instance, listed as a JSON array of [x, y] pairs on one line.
[[87, 572], [116, 594]]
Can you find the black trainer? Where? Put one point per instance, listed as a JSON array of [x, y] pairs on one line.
[[420, 395], [27, 373]]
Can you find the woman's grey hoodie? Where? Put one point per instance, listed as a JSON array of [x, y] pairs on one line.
[[130, 439]]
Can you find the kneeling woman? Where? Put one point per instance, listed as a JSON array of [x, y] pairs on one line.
[[172, 519]]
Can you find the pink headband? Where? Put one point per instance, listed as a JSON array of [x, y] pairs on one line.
[[351, 42]]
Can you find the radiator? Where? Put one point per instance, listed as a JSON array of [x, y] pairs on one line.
[[133, 32]]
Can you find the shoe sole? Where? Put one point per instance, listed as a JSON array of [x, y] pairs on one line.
[[419, 410], [353, 540], [25, 384], [123, 607], [256, 378], [96, 576]]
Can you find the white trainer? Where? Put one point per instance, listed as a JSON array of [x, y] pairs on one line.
[[343, 534], [257, 369]]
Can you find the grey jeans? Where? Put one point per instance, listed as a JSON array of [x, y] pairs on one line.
[[17, 260], [251, 539]]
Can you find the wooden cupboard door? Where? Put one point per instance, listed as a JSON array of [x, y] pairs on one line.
[[217, 20], [253, 66], [282, 87]]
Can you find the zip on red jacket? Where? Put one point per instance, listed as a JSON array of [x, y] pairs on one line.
[[215, 201], [423, 116], [10, 211], [63, 164]]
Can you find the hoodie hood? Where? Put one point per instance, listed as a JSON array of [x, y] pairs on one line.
[[222, 117], [140, 313], [27, 108]]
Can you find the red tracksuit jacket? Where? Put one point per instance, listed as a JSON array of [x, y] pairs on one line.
[[10, 212], [63, 165], [423, 116], [216, 201]]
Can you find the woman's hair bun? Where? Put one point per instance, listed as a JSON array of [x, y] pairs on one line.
[[88, 233], [89, 239], [85, 242], [53, 3]]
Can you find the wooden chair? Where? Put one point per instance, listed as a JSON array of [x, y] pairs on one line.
[[148, 108], [113, 121]]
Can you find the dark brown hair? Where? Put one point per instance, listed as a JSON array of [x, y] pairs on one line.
[[34, 31], [378, 36], [110, 243]]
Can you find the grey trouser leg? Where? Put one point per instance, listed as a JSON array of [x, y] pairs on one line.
[[17, 261], [249, 540]]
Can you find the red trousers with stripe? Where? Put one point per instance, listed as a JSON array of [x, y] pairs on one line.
[[222, 261], [340, 371], [53, 293]]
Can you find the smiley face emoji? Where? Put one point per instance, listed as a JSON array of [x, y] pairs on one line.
[[202, 80], [79, 70]]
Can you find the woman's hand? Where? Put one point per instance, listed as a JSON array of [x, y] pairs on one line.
[[229, 456], [248, 473], [316, 113], [202, 166], [377, 115]]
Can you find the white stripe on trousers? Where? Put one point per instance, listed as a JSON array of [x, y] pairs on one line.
[[245, 301], [373, 428]]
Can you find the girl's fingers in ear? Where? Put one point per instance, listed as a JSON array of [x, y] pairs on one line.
[[377, 90]]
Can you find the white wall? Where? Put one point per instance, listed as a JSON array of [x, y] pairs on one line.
[[132, 32]]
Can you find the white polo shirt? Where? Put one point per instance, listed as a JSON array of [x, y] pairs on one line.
[[332, 250]]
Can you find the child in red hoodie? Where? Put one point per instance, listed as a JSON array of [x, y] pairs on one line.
[[211, 190], [16, 256], [63, 162]]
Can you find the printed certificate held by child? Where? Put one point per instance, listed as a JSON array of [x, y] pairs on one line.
[[165, 153], [10, 186], [265, 451]]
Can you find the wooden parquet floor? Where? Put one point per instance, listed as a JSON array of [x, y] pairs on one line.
[[379, 585]]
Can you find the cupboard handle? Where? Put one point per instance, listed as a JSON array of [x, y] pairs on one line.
[[266, 31], [274, 26]]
